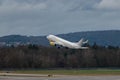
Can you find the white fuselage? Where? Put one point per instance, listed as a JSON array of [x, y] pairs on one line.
[[59, 41]]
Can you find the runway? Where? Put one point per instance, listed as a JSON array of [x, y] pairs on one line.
[[62, 78]]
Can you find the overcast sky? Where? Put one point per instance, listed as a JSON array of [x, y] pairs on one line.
[[43, 17]]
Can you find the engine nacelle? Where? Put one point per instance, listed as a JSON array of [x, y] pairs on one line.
[[52, 43]]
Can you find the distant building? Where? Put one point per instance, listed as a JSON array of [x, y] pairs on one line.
[[2, 44]]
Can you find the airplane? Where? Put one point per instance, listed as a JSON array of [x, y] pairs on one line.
[[55, 40]]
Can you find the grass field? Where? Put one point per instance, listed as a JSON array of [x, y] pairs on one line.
[[69, 72]]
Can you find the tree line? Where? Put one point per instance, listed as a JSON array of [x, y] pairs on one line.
[[33, 56]]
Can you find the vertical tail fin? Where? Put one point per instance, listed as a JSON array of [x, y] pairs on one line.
[[80, 42]]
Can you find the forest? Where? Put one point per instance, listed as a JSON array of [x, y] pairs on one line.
[[41, 57]]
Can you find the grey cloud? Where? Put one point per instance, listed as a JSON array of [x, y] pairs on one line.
[[87, 5], [42, 17], [109, 5]]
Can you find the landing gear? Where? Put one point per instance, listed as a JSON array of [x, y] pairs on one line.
[[66, 48], [58, 47], [55, 45]]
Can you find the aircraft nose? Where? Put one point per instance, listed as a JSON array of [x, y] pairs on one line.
[[50, 36], [47, 37]]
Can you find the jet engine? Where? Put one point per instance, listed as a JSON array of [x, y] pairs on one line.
[[52, 44]]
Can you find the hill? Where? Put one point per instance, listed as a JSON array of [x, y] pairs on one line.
[[104, 38]]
